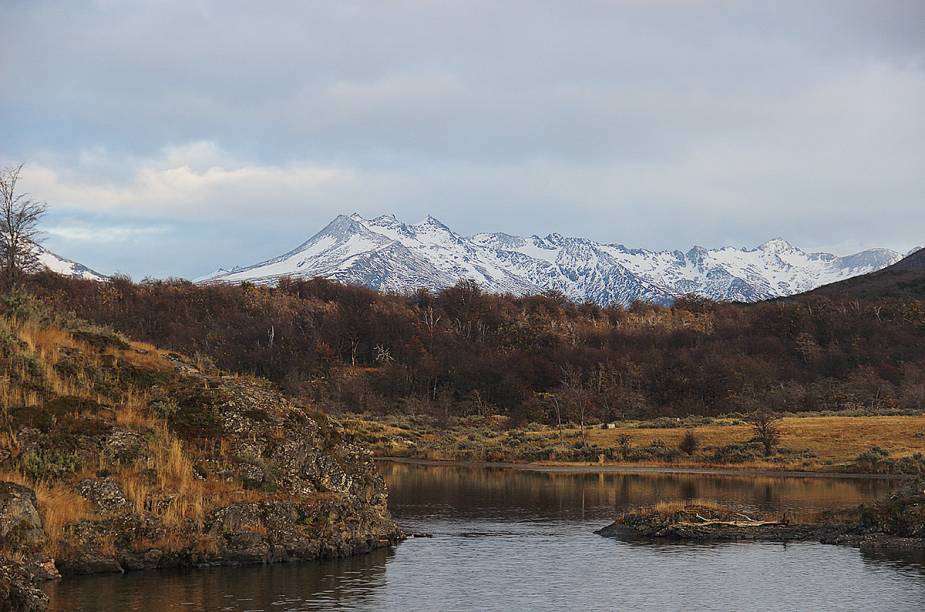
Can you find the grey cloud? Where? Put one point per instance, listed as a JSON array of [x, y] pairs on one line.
[[657, 124]]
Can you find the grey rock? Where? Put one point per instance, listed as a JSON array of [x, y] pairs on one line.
[[20, 522], [17, 591], [104, 493]]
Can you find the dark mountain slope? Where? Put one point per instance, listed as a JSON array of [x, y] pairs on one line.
[[904, 279]]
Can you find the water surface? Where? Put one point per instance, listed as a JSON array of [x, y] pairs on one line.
[[510, 539]]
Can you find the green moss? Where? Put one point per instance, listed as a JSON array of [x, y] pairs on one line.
[[50, 464]]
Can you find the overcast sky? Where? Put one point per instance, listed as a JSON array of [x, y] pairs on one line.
[[171, 138]]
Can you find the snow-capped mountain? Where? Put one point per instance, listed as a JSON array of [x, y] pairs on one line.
[[384, 253], [65, 267]]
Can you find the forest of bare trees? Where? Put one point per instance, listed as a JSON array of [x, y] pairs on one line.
[[539, 358]]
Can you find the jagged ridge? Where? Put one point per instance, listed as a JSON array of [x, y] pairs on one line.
[[386, 254]]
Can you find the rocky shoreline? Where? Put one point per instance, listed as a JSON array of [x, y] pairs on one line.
[[162, 463], [895, 523]]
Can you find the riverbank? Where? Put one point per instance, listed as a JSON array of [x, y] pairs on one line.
[[880, 445], [582, 468]]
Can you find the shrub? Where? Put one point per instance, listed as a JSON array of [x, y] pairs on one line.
[[689, 443], [738, 453]]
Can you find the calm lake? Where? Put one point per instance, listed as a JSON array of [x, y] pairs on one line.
[[508, 539]]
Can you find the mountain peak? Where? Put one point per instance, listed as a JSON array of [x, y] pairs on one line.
[[775, 245], [384, 253], [431, 221]]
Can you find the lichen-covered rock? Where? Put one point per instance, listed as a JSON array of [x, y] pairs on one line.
[[90, 549], [280, 531], [275, 445], [124, 445], [17, 591], [20, 522], [104, 493]]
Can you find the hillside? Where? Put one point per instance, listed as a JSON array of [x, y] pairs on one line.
[[537, 358], [116, 455], [388, 255], [904, 279]]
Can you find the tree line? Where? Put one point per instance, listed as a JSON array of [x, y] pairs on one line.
[[543, 358]]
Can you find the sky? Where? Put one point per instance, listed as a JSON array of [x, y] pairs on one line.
[[170, 138]]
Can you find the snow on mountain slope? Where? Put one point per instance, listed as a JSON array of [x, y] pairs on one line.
[[384, 253], [65, 267]]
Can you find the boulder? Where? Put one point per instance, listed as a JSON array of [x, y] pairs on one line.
[[20, 522]]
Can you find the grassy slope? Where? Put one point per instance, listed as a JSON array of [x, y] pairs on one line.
[[79, 403]]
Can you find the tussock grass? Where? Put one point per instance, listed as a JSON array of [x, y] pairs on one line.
[[133, 416], [669, 507], [142, 355], [59, 507]]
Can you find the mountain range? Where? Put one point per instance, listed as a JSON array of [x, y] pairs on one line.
[[385, 254]]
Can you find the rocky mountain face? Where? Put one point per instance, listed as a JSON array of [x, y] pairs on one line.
[[386, 254]]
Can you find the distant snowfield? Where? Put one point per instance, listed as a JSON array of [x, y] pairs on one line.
[[65, 267], [386, 254]]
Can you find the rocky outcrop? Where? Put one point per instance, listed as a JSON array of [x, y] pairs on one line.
[[289, 485], [896, 523], [157, 462], [22, 536], [699, 523], [18, 592]]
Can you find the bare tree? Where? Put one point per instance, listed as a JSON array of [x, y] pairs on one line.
[[19, 220], [766, 430], [574, 388]]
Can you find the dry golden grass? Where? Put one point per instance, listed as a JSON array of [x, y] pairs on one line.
[[136, 491], [173, 472], [133, 416], [59, 507], [44, 340], [143, 355], [44, 343], [834, 440], [8, 440], [171, 541], [667, 507], [15, 476]]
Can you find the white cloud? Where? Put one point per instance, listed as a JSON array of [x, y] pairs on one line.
[[113, 233], [195, 180]]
